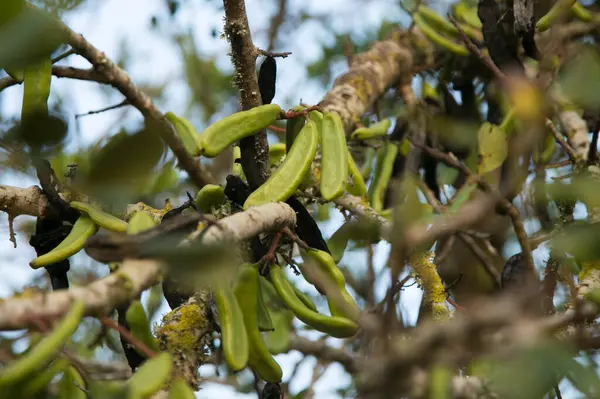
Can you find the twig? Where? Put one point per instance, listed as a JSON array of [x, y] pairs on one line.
[[508, 207], [276, 129], [568, 149], [321, 350], [99, 111], [62, 56], [475, 50], [142, 347], [276, 23], [284, 54]]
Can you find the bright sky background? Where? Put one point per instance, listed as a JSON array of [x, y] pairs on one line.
[[156, 61]]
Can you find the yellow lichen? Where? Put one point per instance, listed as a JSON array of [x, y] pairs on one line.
[[433, 289], [181, 329]]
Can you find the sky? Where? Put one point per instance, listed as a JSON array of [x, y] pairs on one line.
[[107, 25]]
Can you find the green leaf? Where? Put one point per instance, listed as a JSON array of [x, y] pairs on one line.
[[338, 242], [446, 175], [27, 34], [493, 147], [532, 373], [150, 376], [580, 78], [127, 157], [181, 390]]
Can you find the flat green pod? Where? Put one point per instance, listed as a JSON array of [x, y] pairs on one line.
[[335, 326], [233, 331], [186, 133], [223, 133], [276, 152], [334, 157], [293, 126], [210, 196], [140, 221], [260, 359], [74, 242], [101, 218], [375, 130], [150, 377], [44, 351], [285, 180]]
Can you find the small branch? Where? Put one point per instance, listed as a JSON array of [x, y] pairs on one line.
[[99, 111], [276, 23], [149, 353], [557, 136], [324, 352], [385, 64], [62, 56], [62, 72], [434, 293], [507, 206], [577, 133], [487, 61], [265, 53]]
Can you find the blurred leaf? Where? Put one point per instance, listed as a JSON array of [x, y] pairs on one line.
[[580, 78], [580, 239], [462, 196], [459, 132], [126, 158], [364, 232], [446, 175], [583, 188], [26, 34], [545, 364], [493, 147], [338, 241]]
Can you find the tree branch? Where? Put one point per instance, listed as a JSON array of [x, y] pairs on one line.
[[385, 64], [135, 276], [322, 351], [254, 149], [25, 201]]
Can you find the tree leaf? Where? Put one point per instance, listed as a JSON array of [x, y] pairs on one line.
[[493, 147]]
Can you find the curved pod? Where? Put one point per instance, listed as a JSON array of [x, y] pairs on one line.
[[234, 335], [223, 133], [286, 179], [335, 326], [83, 228], [260, 359]]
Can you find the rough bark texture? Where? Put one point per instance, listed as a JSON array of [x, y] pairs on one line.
[[385, 64], [25, 201], [254, 149]]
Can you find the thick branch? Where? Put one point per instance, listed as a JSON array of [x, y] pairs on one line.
[[25, 201], [254, 149], [135, 276], [385, 64]]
